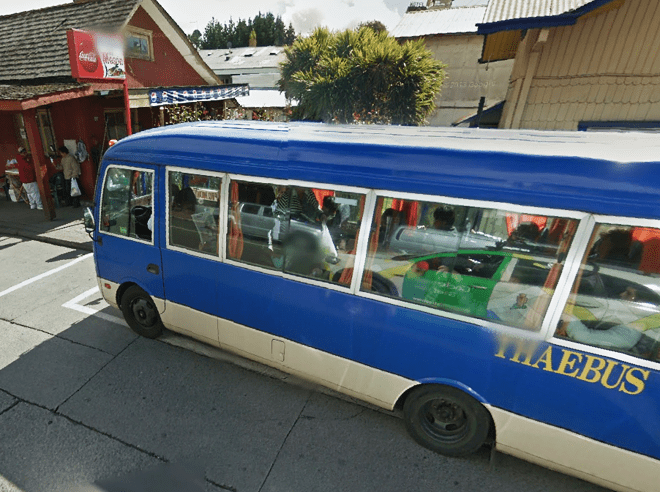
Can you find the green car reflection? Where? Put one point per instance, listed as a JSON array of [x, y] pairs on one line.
[[498, 285]]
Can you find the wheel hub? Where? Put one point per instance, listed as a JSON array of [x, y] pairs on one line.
[[444, 419], [144, 312]]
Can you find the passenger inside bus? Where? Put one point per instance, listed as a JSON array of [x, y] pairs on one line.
[[182, 229], [443, 218], [617, 247], [615, 305]]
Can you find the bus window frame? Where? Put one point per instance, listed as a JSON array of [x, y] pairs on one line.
[[307, 184], [166, 204], [577, 263], [154, 188], [564, 283]]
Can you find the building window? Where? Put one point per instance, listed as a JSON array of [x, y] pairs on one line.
[[608, 126], [115, 123], [139, 44]]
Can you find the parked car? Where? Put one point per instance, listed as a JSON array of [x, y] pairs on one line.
[[422, 240], [307, 245]]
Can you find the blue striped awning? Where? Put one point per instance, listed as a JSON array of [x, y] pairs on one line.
[[183, 95]]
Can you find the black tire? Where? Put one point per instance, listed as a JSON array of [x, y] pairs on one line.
[[382, 285], [446, 420], [141, 313]]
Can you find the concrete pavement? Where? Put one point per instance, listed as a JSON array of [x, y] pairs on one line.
[[83, 400], [67, 229]]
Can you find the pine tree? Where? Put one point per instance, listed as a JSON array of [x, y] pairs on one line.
[[270, 30]]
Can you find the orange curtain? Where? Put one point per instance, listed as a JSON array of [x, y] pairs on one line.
[[556, 232], [514, 220], [347, 274], [408, 208], [235, 246], [321, 194], [650, 261]]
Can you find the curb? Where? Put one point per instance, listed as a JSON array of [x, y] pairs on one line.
[[45, 239]]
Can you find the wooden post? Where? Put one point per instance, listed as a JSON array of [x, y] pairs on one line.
[[127, 104], [39, 162]]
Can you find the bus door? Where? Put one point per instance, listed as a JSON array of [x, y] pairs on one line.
[[191, 250], [127, 248]]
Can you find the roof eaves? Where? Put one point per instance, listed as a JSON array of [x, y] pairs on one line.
[[564, 19], [183, 44]]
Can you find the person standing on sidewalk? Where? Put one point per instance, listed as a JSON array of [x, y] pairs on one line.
[[28, 178], [71, 169]]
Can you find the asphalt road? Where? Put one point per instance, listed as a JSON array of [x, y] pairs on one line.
[[83, 400]]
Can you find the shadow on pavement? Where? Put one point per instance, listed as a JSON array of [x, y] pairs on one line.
[[96, 403]]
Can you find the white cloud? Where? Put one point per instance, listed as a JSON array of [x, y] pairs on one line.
[[305, 15]]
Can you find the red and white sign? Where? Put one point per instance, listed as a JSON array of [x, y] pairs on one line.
[[96, 56]]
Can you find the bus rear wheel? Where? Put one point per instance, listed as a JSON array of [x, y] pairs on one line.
[[446, 420], [141, 313]]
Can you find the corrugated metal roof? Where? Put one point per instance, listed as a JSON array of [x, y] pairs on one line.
[[469, 3], [227, 61], [445, 21], [511, 10]]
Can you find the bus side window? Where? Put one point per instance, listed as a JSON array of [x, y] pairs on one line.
[[303, 231], [615, 300], [127, 202], [485, 263], [194, 211]]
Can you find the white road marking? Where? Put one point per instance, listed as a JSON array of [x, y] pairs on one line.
[[73, 304], [44, 275]]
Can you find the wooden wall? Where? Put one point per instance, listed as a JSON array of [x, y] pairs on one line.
[[606, 67]]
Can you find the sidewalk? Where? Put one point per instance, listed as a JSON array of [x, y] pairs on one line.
[[67, 229]]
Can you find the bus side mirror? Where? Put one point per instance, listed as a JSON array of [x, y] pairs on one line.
[[89, 220]]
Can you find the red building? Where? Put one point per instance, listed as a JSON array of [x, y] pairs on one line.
[[43, 106]]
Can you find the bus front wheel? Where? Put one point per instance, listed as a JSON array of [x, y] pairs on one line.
[[446, 420], [141, 313]]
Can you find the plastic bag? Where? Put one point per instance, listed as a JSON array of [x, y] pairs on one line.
[[75, 189], [327, 244]]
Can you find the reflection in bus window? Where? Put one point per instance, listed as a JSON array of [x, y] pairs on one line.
[[615, 302], [194, 211], [126, 206], [484, 263], [304, 231]]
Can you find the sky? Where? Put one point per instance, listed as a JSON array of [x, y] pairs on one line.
[[305, 15]]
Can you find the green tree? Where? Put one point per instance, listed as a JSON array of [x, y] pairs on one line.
[[377, 26], [361, 76], [270, 30], [196, 38], [289, 36]]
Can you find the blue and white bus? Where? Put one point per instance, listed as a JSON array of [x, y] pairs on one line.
[[499, 287]]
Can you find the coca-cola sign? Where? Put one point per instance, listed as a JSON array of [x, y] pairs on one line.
[[95, 55], [87, 56]]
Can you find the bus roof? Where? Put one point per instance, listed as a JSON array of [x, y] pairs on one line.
[[601, 172]]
